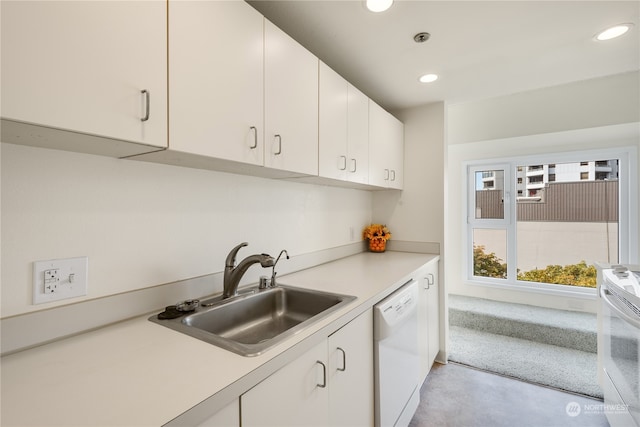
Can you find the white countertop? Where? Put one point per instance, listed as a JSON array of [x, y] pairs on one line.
[[137, 373]]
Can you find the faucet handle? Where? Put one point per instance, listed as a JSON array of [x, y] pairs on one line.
[[231, 258], [264, 282]]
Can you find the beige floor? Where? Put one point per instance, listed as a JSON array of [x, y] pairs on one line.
[[456, 395]]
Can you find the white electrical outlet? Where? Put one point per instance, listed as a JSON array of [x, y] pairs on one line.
[[51, 280], [58, 279]]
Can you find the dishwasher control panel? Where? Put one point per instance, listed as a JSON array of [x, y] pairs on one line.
[[396, 308]]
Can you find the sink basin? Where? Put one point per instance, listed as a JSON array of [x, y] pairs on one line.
[[253, 322]]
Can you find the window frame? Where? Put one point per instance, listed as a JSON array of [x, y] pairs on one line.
[[627, 219]]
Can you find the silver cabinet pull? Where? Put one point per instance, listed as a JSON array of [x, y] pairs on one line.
[[324, 375], [147, 105], [386, 174], [342, 162], [430, 279], [393, 175], [344, 360], [279, 150], [255, 138], [354, 165]]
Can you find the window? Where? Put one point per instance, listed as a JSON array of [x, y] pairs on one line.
[[488, 215], [561, 222]]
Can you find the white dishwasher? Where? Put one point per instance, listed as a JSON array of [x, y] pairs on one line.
[[397, 364]]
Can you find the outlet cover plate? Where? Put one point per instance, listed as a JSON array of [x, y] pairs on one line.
[[58, 279]]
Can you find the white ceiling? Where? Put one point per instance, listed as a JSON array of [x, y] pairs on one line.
[[480, 49]]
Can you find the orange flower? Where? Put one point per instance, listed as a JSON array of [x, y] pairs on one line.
[[375, 232]]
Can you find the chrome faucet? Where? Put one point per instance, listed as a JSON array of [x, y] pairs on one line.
[[233, 273]]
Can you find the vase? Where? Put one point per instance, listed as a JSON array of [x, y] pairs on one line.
[[377, 245]]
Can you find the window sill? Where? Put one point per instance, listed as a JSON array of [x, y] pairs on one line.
[[538, 288]]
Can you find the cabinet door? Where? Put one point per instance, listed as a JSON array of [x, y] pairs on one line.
[[216, 79], [332, 144], [351, 373], [433, 310], [379, 135], [83, 66], [396, 153], [293, 396], [386, 146], [357, 136], [229, 416], [428, 317], [291, 104]]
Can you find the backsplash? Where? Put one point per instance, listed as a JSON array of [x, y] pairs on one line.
[[143, 225]]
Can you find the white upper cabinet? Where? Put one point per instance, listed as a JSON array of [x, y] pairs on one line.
[[333, 132], [343, 135], [386, 148], [95, 68], [358, 136], [216, 80], [291, 104]]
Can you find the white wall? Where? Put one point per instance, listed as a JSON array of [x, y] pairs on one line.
[[586, 104], [600, 113], [144, 224], [417, 213]]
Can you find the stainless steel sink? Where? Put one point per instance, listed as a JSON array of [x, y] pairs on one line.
[[257, 319]]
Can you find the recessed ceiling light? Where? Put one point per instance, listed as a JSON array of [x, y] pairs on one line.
[[613, 32], [379, 5], [428, 78]]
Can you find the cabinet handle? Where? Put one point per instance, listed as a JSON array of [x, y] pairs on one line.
[[344, 360], [147, 105], [255, 138], [324, 375], [431, 280], [342, 162], [386, 174], [279, 150], [393, 175], [354, 165]]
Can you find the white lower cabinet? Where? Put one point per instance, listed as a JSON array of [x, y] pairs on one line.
[[351, 373], [428, 317], [229, 416], [329, 385]]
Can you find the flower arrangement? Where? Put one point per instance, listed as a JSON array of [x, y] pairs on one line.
[[377, 234]]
